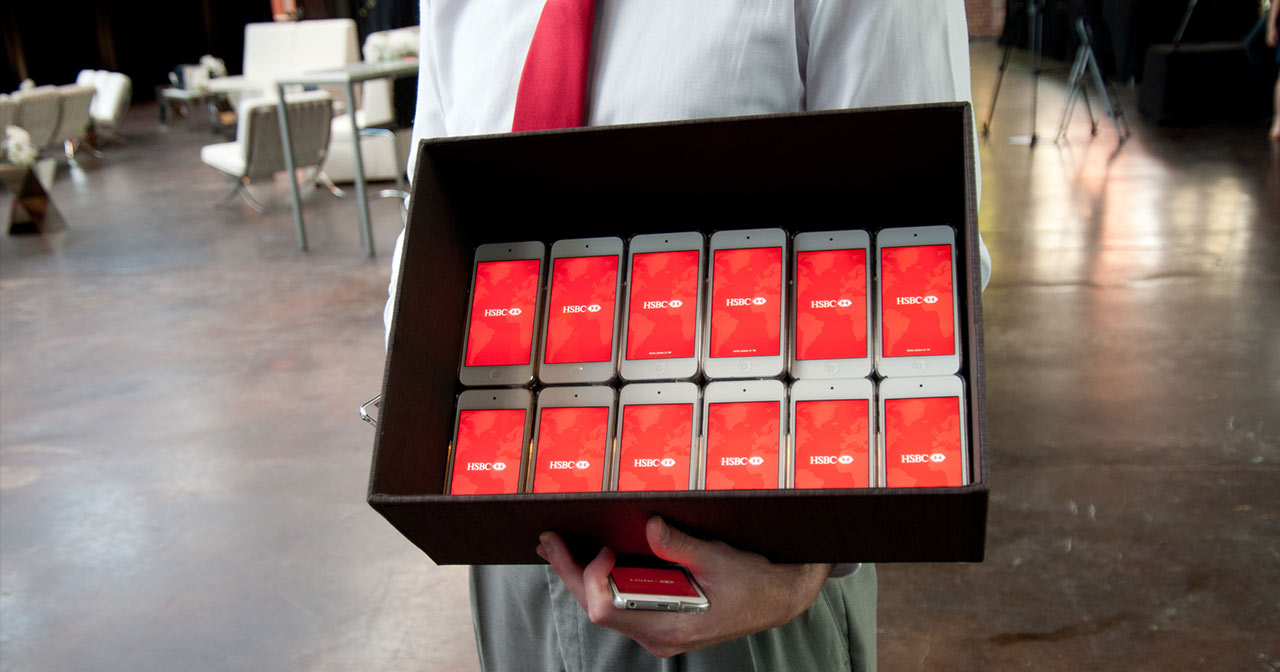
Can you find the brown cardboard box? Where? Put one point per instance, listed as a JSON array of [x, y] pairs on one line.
[[871, 169]]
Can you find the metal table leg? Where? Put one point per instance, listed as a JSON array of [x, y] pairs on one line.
[[288, 165], [362, 198]]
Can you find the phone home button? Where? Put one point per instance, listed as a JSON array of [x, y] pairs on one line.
[[832, 369], [918, 365], [744, 365], [659, 368], [495, 375]]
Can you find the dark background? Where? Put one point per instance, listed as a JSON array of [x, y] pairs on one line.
[[50, 42]]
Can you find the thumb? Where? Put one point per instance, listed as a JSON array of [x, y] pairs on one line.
[[672, 545]]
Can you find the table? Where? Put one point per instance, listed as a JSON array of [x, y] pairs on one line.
[[347, 78]]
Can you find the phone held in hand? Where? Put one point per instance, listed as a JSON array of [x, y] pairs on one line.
[[580, 331], [922, 432], [830, 325], [662, 324], [917, 310], [573, 439], [655, 586], [506, 281], [490, 431]]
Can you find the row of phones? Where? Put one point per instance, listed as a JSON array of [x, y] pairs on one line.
[[666, 330], [732, 435]]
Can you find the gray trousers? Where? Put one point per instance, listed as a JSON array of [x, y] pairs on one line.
[[526, 619]]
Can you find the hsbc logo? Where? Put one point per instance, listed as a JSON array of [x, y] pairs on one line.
[[502, 312], [839, 303], [651, 463], [922, 458], [658, 305], [916, 300], [593, 308], [758, 301], [831, 459], [754, 461], [486, 466], [558, 465]]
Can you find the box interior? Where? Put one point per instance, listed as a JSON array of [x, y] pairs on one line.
[[867, 169]]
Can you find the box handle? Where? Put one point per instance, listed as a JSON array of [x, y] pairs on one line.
[[369, 410]]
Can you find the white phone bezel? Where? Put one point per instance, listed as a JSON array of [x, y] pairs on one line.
[[647, 394], [516, 374], [835, 390], [923, 387], [657, 602], [933, 365], [734, 391], [766, 366], [673, 368], [851, 367], [578, 396], [493, 399], [581, 373]]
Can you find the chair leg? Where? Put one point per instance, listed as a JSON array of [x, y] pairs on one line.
[[324, 181], [240, 187]]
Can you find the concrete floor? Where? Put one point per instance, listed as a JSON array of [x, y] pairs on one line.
[[182, 473]]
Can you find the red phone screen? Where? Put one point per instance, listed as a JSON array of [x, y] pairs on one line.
[[581, 309], [746, 303], [502, 312], [652, 581], [831, 444], [831, 304], [486, 455], [654, 450], [916, 302], [664, 303], [742, 445], [571, 449], [922, 443]]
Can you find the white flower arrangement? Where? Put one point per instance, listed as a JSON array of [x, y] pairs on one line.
[[213, 65], [17, 146], [391, 45]]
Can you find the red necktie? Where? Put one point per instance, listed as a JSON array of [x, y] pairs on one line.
[[553, 85]]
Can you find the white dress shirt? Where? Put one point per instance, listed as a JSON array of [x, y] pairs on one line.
[[661, 60]]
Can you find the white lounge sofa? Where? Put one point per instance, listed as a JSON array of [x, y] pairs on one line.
[[280, 49]]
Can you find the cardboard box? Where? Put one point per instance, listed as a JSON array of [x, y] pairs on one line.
[[871, 169]]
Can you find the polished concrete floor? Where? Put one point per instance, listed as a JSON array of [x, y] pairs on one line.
[[182, 473]]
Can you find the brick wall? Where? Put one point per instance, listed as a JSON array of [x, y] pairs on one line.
[[986, 17]]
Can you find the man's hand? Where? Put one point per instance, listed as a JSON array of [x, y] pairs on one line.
[[748, 593]]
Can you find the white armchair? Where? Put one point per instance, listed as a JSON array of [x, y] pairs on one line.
[[37, 113], [114, 90], [258, 151], [74, 104]]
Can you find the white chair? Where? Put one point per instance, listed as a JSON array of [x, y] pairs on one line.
[[74, 117], [258, 151], [114, 91], [37, 113], [8, 111]]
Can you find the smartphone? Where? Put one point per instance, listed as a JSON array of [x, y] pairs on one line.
[[922, 430], [747, 304], [832, 433], [490, 433], [832, 314], [917, 317], [573, 437], [657, 437], [663, 319], [744, 434], [656, 587], [581, 327], [506, 281]]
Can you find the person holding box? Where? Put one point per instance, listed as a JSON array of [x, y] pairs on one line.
[[500, 65]]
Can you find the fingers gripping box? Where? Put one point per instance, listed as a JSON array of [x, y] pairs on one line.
[[874, 169]]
